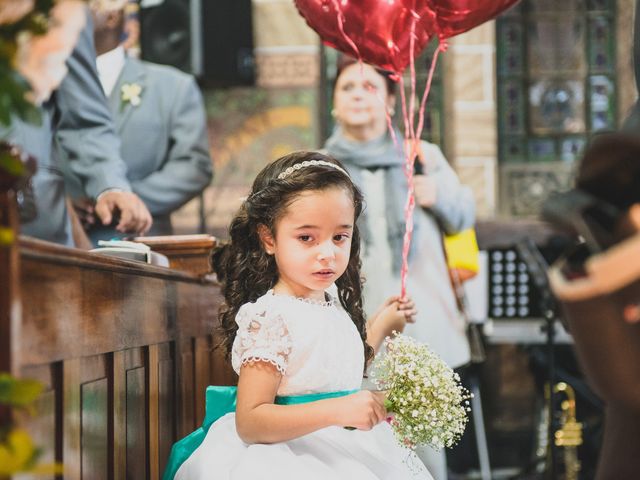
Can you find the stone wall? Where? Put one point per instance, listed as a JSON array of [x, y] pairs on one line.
[[470, 101]]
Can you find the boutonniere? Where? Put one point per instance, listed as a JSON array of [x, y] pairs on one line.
[[131, 93]]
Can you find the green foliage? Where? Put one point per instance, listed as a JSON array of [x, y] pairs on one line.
[[14, 88], [18, 393], [17, 450], [10, 164]]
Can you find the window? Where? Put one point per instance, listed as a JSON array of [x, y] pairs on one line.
[[556, 88], [556, 78]]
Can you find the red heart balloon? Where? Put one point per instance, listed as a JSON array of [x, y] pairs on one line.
[[457, 16], [380, 29]]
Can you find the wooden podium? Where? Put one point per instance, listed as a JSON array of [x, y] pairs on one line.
[[123, 348], [188, 253]]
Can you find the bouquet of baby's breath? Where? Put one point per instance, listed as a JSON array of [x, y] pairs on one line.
[[424, 394]]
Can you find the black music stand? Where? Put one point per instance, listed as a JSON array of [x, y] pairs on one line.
[[537, 267]]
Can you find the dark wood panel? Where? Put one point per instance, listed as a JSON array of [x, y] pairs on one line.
[[202, 367], [167, 403], [152, 409], [81, 318], [44, 425], [186, 421], [71, 425], [119, 416], [201, 306], [136, 437], [95, 378], [221, 371], [95, 444]]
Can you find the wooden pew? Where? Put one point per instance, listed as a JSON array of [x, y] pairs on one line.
[[123, 348]]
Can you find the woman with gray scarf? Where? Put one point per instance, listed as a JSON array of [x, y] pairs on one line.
[[362, 142]]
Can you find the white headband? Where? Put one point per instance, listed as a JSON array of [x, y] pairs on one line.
[[309, 163]]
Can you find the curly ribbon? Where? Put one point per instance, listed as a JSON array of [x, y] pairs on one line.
[[412, 132]]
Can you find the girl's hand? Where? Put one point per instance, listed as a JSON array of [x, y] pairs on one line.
[[396, 315], [389, 301], [362, 410], [408, 309], [392, 316]]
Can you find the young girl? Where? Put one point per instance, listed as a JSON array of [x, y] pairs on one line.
[[299, 351]]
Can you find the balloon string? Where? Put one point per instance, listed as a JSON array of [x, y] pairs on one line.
[[442, 47], [412, 66], [411, 134], [410, 156], [340, 17], [405, 114]]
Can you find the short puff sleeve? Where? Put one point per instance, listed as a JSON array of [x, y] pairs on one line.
[[261, 337]]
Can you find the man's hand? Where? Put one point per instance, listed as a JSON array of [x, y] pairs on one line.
[[85, 211], [134, 216]]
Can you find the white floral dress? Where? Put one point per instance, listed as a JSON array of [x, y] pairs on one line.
[[317, 349]]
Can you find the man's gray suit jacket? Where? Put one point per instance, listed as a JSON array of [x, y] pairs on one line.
[[76, 118], [163, 141]]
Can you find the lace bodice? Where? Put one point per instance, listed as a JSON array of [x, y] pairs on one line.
[[315, 345]]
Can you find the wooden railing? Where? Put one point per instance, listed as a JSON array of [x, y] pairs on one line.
[[124, 350]]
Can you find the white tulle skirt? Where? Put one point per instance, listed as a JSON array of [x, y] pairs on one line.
[[327, 454]]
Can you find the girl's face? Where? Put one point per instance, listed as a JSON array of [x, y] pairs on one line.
[[312, 242], [360, 98]]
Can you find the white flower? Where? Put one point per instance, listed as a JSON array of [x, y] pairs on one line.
[[423, 392], [131, 93]]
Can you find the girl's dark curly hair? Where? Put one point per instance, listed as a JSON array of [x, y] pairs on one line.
[[247, 272]]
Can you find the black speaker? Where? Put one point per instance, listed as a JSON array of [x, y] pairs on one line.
[[212, 39]]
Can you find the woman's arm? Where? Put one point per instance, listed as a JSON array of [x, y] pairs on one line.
[[259, 420]]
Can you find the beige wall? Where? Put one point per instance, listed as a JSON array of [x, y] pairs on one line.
[[286, 48], [627, 93], [471, 112]]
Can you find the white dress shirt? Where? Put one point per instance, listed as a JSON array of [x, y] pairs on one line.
[[110, 65]]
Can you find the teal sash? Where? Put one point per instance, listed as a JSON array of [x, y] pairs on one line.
[[219, 402]]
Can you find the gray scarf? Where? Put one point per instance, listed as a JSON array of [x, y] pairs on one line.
[[378, 153]]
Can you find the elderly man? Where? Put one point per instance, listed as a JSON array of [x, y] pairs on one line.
[[76, 124], [160, 118]]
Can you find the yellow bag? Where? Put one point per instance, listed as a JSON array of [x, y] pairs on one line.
[[462, 254]]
